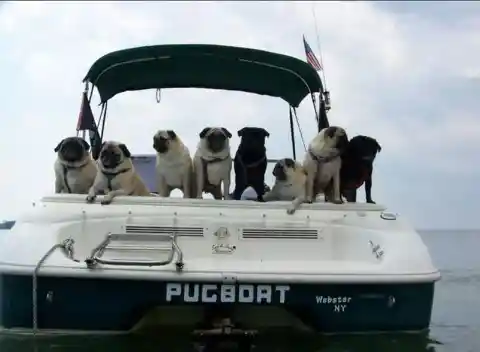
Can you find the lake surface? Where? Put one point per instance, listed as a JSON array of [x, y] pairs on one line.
[[455, 322]]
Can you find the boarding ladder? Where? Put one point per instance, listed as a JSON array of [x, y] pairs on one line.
[[137, 249]]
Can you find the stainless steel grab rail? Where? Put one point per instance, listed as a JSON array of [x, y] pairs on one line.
[[95, 256]]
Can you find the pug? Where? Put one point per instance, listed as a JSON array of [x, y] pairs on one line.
[[250, 162], [290, 184], [357, 167], [116, 175], [174, 167], [323, 162], [212, 163], [74, 168]]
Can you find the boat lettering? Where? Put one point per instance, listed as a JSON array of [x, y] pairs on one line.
[[339, 302], [333, 300], [212, 293]]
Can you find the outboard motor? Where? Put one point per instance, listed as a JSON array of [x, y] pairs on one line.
[[218, 332]]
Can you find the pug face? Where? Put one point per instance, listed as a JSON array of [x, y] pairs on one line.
[[283, 169], [162, 140], [253, 138], [365, 148], [112, 154], [339, 136], [216, 138], [72, 149]]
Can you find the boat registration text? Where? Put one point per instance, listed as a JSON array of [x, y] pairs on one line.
[[213, 293]]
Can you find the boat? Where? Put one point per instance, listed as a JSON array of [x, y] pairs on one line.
[[203, 264], [7, 224]]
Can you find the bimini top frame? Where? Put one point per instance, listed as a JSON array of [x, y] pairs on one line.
[[207, 66], [204, 66]]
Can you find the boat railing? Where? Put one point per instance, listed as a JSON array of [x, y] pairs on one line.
[[126, 241]]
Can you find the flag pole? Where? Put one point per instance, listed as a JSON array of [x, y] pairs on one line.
[[318, 45], [326, 93]]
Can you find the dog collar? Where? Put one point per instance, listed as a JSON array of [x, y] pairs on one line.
[[255, 163], [214, 160], [107, 173], [111, 175], [68, 167], [323, 159]]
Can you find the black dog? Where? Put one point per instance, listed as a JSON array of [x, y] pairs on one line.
[[250, 162], [357, 167]]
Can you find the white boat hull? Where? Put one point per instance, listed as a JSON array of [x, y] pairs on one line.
[[335, 268]]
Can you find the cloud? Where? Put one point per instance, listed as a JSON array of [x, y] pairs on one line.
[[402, 74]]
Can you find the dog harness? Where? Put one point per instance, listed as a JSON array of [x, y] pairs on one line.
[[245, 167], [110, 175], [65, 172], [206, 183]]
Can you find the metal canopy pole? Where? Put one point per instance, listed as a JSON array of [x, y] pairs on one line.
[[292, 134], [103, 117], [324, 107], [91, 92], [317, 118]]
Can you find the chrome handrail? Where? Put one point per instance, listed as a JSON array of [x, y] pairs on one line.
[[95, 256]]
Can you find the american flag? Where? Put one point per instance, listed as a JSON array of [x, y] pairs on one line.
[[311, 58]]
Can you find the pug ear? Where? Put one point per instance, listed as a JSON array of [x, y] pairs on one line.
[[265, 132], [59, 145], [85, 144], [240, 132], [171, 134], [227, 132], [330, 132], [289, 163], [379, 148], [204, 132], [124, 150], [342, 142], [276, 168]]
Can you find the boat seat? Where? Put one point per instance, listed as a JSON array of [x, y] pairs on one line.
[[145, 166]]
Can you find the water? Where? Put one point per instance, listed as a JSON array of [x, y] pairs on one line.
[[455, 323]]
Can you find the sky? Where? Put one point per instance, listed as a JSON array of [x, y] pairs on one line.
[[405, 73]]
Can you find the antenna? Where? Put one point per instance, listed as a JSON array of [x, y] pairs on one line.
[[326, 93]]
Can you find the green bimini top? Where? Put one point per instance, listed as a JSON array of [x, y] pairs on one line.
[[204, 66]]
